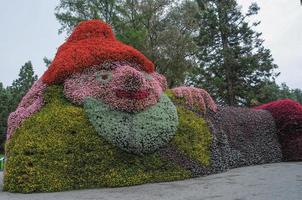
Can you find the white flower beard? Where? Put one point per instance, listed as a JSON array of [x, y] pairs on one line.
[[137, 132]]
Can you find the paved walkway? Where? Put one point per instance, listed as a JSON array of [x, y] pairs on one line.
[[267, 182]]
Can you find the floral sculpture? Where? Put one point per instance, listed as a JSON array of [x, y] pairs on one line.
[[101, 116]]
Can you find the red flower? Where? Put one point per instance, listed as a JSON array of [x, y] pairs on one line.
[[132, 94], [91, 43], [288, 118]]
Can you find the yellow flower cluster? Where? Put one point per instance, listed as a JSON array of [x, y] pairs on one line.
[[193, 136]]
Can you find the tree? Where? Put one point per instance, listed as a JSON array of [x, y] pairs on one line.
[[21, 85], [177, 57], [47, 61], [12, 95], [4, 111], [271, 91], [286, 92], [298, 95], [233, 64], [160, 29], [70, 12]]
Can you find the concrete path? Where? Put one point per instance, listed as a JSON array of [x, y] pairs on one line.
[[267, 182]]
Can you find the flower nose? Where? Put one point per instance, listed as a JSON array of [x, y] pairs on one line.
[[132, 81]]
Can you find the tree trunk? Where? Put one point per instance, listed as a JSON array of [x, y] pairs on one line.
[[223, 22]]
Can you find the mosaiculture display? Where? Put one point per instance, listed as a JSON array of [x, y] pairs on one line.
[[101, 116]]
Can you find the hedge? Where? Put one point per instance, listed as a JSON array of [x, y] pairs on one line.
[[243, 137]]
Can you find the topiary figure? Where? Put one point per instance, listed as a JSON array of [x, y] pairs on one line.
[[101, 116]]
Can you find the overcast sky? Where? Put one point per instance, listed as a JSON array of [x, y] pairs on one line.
[[29, 31]]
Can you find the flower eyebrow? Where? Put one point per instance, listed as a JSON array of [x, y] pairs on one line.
[[107, 65]]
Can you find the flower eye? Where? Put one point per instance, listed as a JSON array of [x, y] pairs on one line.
[[147, 76], [103, 76]]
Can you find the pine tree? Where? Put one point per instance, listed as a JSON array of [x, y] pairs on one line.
[[12, 95], [47, 61], [4, 111], [233, 63], [298, 95], [21, 85], [70, 12], [271, 91]]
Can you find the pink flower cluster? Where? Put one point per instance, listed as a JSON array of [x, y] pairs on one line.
[[195, 98], [121, 85], [30, 104]]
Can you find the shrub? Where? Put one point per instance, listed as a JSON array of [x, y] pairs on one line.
[[292, 146], [288, 118], [245, 137], [287, 114], [57, 149]]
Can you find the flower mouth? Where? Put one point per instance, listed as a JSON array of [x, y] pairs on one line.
[[137, 95]]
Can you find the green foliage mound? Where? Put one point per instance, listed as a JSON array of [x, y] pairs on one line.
[[58, 149]]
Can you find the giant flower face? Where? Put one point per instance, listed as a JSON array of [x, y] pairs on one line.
[[126, 105], [121, 85], [118, 87]]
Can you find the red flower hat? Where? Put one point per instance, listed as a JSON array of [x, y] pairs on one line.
[[91, 43]]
